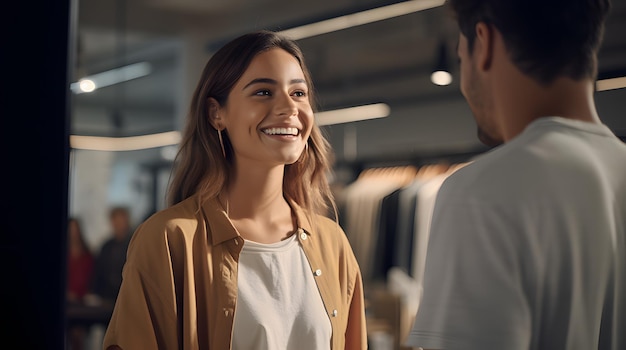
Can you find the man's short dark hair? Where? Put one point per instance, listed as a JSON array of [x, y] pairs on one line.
[[119, 210], [545, 38]]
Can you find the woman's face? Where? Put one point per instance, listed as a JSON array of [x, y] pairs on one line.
[[74, 235], [268, 116]]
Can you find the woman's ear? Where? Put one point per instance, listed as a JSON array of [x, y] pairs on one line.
[[214, 114]]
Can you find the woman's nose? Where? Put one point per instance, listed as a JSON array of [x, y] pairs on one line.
[[285, 105]]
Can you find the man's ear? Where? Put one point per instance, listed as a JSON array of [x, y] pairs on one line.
[[483, 45], [214, 114]]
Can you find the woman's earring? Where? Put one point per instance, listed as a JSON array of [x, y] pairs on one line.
[[219, 135]]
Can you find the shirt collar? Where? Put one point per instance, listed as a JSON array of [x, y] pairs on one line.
[[302, 220], [222, 229]]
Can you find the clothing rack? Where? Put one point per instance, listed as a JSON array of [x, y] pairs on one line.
[[349, 170], [385, 213]]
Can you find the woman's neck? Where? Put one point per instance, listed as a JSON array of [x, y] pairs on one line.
[[256, 206], [255, 192]]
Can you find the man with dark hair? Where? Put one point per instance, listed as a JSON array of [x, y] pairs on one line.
[[527, 248], [112, 256]]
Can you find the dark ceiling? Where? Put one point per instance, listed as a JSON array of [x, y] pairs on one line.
[[386, 61]]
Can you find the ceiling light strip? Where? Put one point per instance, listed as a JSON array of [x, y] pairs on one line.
[[114, 76], [611, 84], [360, 18], [132, 143], [353, 114]]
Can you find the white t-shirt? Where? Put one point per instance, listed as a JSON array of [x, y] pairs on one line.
[[278, 303], [527, 248]]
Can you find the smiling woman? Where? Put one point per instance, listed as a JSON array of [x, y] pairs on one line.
[[268, 115], [245, 256]]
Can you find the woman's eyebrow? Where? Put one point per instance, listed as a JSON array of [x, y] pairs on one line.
[[272, 81]]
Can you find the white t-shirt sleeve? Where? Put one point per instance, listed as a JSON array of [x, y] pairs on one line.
[[473, 298]]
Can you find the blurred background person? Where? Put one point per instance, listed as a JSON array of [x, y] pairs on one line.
[[112, 256], [80, 263]]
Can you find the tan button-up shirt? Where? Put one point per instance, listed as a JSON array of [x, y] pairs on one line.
[[179, 288]]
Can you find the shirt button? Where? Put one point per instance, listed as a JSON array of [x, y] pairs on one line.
[[236, 241], [334, 313], [226, 312], [317, 272]]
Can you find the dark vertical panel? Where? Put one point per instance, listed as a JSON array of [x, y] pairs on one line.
[[36, 56]]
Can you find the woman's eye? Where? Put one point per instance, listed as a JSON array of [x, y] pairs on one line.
[[263, 93], [300, 93]]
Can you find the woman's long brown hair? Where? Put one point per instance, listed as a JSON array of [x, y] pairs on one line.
[[200, 167]]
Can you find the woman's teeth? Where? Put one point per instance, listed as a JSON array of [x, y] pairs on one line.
[[281, 131]]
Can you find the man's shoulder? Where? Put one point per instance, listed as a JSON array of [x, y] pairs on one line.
[[109, 242], [506, 171]]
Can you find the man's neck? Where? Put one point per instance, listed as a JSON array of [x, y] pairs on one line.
[[529, 101]]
